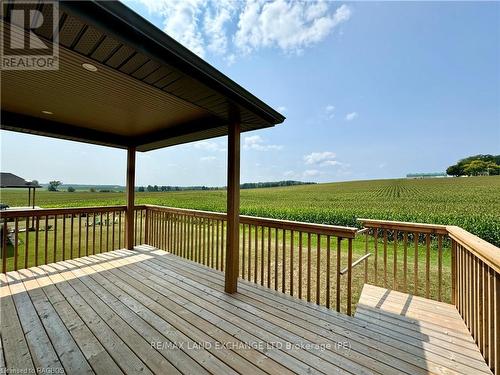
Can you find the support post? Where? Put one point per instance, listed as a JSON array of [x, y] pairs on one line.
[[233, 209], [129, 218]]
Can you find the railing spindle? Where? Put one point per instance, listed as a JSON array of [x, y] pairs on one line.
[[283, 263], [339, 245], [5, 233], [318, 268], [415, 265], [328, 255], [385, 258], [256, 257], [262, 249], [300, 265], [427, 264], [268, 257], [405, 261], [16, 243], [54, 255], [349, 277], [26, 242], [71, 235], [309, 267], [291, 261]]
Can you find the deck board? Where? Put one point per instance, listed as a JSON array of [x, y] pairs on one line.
[[108, 313]]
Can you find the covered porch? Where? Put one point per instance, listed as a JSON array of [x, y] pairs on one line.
[[129, 289]]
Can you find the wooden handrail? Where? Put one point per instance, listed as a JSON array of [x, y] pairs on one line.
[[324, 229], [354, 264], [58, 211], [488, 253], [404, 226]]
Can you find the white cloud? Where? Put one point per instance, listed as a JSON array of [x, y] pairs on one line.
[[319, 157], [208, 158], [281, 109], [288, 25], [215, 21], [207, 146], [180, 21], [224, 27], [330, 111], [324, 159], [255, 142], [351, 116]]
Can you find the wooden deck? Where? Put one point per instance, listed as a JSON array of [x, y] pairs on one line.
[[148, 311]]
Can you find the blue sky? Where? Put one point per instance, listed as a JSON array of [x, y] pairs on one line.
[[370, 90]]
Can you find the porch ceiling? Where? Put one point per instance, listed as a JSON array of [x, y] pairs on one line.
[[148, 91]]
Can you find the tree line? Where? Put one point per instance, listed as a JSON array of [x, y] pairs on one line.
[[247, 185], [477, 165]]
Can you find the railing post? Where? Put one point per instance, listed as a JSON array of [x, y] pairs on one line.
[[129, 218], [349, 277], [453, 272], [233, 209], [146, 226]]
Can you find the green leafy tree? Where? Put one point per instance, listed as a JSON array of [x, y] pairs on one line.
[[53, 185], [71, 189], [476, 168], [454, 170], [141, 189], [476, 165]]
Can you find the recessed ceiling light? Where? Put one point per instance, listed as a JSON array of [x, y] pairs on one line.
[[89, 67], [47, 113]]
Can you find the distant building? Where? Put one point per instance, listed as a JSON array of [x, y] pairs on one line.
[[9, 180], [427, 175]]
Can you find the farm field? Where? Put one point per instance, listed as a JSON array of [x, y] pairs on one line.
[[472, 203]]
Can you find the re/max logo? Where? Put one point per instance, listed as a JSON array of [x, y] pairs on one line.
[[30, 35]]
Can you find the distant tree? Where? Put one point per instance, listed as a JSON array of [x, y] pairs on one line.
[[141, 189], [493, 169], [71, 189], [155, 188], [149, 188], [53, 185], [34, 182], [476, 168], [92, 190], [454, 170], [476, 165]]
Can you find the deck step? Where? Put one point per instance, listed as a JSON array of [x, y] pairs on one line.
[[434, 325]]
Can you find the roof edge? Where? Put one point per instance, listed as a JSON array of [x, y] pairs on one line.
[[116, 18]]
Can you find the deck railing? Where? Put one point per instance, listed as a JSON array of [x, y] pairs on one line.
[[476, 269], [409, 257], [41, 236], [313, 262], [302, 259], [459, 268]]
